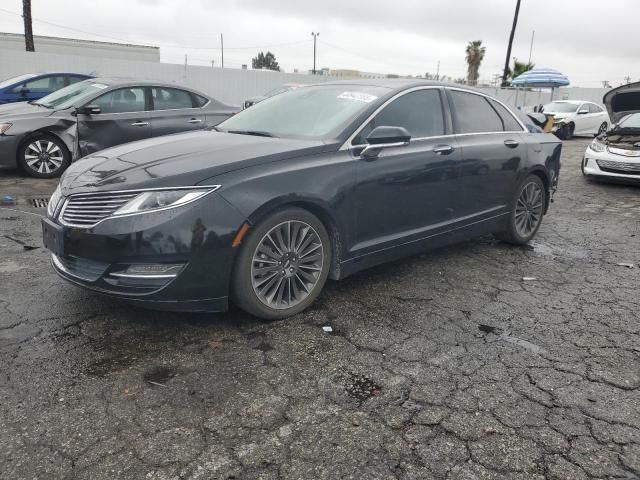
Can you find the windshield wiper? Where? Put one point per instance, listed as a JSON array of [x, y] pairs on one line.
[[257, 133], [38, 104]]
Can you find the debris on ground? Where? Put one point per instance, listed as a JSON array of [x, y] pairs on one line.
[[8, 200], [528, 279], [624, 264], [25, 245], [327, 328]]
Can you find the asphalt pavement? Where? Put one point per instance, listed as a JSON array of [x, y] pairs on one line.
[[478, 361]]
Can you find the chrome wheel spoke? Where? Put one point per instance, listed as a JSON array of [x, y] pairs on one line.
[[528, 211], [287, 264]]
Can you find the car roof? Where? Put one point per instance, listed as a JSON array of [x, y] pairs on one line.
[[132, 82], [399, 84]]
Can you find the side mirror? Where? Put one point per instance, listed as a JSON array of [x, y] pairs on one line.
[[89, 110], [583, 111], [385, 137]]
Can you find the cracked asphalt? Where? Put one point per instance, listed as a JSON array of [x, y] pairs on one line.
[[479, 361]]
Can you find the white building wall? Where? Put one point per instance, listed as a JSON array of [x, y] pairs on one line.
[[71, 46]]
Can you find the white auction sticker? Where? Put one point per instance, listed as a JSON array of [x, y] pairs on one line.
[[359, 96]]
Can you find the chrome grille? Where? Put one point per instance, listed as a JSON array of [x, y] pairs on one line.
[[82, 268], [619, 167], [87, 209]]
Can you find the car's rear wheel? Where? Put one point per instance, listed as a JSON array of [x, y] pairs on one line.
[[602, 129], [527, 210], [282, 266], [43, 156]]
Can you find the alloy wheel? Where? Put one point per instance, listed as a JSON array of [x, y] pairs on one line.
[[287, 264], [43, 156], [528, 209]]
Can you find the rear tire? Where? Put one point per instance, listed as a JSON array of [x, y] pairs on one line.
[[43, 156], [526, 212], [282, 266]]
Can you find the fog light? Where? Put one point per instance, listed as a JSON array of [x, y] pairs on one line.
[[150, 270]]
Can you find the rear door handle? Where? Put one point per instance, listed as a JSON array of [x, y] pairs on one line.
[[511, 143], [195, 120], [139, 124], [443, 149]]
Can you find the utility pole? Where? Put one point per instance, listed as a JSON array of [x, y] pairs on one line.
[[627, 79], [28, 26], [438, 71], [505, 72], [315, 36], [533, 34], [185, 62], [222, 49], [213, 62]]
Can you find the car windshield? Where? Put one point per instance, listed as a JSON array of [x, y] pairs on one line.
[[560, 107], [10, 81], [73, 94], [630, 122], [317, 112]]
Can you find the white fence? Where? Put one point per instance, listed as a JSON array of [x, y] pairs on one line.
[[229, 85]]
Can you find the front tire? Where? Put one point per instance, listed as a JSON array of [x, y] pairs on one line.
[[602, 129], [527, 210], [282, 266], [43, 156], [571, 128]]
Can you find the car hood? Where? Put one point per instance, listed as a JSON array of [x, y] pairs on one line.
[[178, 160], [622, 101], [20, 110]]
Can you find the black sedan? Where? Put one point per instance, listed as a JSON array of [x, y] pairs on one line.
[[43, 137], [315, 183]]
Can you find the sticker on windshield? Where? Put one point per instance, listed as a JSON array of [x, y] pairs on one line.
[[358, 96], [99, 85]]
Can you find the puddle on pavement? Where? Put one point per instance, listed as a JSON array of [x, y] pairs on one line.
[[506, 337], [361, 388], [160, 374], [552, 251], [104, 367]]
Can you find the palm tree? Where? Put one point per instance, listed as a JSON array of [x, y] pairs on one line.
[[519, 68], [28, 29], [475, 53], [505, 72]]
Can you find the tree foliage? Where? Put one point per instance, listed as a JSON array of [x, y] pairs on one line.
[[267, 61], [475, 54], [519, 68]]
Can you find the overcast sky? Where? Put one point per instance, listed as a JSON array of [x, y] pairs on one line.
[[589, 40]]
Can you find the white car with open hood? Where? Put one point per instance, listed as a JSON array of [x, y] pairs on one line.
[[576, 117], [615, 154]]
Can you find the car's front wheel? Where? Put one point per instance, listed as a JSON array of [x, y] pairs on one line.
[[602, 129], [527, 210], [43, 156], [282, 266]]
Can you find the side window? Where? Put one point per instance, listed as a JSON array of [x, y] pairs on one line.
[[121, 101], [39, 84], [420, 112], [474, 114], [71, 79], [508, 120], [170, 98], [593, 108], [200, 101]]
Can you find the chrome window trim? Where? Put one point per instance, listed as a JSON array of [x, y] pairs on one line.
[[346, 145], [213, 188]]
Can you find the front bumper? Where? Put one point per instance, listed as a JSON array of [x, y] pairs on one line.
[[197, 236], [8, 150], [609, 165]]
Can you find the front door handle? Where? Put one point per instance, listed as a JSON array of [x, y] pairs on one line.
[[511, 143], [443, 149], [195, 120], [139, 124]]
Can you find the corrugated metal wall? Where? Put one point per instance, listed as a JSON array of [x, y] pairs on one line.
[[228, 85]]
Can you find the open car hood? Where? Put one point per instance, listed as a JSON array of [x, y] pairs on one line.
[[622, 101]]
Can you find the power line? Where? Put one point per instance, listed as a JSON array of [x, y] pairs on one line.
[[166, 45]]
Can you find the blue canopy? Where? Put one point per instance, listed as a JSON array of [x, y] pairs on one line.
[[541, 77]]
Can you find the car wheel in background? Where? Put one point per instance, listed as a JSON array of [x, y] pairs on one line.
[[43, 156], [527, 210], [569, 131], [602, 129], [282, 266]]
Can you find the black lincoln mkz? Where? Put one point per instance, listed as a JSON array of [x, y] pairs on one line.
[[318, 182]]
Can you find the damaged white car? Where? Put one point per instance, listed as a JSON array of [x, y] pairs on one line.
[[615, 154]]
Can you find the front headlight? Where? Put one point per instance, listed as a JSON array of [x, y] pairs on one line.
[[4, 127], [161, 199], [597, 146]]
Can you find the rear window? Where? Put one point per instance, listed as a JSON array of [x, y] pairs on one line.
[[508, 120], [474, 114]]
